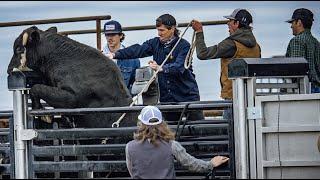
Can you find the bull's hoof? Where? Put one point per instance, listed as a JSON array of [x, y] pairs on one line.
[[47, 119]]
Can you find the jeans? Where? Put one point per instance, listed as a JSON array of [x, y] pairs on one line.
[[315, 88], [174, 116]]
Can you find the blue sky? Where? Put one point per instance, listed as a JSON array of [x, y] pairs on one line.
[[270, 30]]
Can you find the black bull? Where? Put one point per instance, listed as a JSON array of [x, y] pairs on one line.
[[75, 76]]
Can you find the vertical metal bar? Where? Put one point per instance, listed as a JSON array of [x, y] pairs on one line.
[[240, 128], [19, 105], [98, 29], [55, 126], [304, 85], [251, 93], [231, 147], [11, 140], [31, 173]]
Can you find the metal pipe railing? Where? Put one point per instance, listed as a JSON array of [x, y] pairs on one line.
[[82, 111], [49, 21], [64, 20], [135, 28]]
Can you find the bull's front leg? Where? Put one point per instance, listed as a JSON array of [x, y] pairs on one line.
[[35, 103], [54, 96]]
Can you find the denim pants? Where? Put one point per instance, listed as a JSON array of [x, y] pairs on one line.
[[315, 88]]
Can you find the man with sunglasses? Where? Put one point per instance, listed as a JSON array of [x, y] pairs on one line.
[[305, 45], [240, 44], [115, 36], [176, 83]]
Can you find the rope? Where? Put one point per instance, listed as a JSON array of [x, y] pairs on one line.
[[189, 58], [116, 123]]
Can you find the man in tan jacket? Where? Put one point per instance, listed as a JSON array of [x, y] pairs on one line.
[[240, 44]]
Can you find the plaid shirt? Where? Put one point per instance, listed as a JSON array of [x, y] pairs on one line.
[[305, 45]]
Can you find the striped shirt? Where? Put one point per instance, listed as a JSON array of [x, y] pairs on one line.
[[307, 46]]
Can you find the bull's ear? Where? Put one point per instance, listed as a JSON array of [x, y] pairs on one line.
[[34, 35], [52, 30]]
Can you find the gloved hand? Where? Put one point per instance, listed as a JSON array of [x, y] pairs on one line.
[[197, 26], [110, 55], [218, 160]]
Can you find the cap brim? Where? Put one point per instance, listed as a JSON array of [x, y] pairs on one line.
[[229, 17], [113, 32], [290, 21]]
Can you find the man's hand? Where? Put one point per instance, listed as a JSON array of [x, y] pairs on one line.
[[110, 55], [196, 26], [218, 160], [153, 64]]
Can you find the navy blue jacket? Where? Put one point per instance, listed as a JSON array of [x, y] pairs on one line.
[[177, 84]]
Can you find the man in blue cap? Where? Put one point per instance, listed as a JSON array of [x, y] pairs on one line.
[[115, 37], [305, 45]]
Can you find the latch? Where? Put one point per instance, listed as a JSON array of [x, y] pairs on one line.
[[28, 134], [254, 113]]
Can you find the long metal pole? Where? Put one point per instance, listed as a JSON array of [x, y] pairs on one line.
[[240, 129], [135, 28], [49, 21], [19, 107]]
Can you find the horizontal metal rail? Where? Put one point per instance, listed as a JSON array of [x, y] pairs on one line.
[[50, 21], [6, 114], [135, 28], [105, 149], [78, 133], [164, 108]]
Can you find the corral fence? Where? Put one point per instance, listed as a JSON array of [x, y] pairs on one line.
[[57, 152]]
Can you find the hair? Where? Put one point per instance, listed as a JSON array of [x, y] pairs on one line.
[[155, 132], [169, 22], [123, 37], [306, 22]]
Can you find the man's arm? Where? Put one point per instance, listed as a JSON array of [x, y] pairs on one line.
[[135, 51], [225, 49], [192, 163]]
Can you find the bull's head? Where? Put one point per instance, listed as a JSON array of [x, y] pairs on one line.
[[25, 50]]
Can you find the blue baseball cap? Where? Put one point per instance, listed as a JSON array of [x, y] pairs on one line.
[[150, 113], [112, 27]]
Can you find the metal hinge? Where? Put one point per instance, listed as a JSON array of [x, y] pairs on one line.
[[28, 134], [254, 113]]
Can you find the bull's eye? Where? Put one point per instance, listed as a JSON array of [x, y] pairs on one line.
[[19, 50]]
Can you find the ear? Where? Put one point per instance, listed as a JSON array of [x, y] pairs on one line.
[[52, 30], [31, 36]]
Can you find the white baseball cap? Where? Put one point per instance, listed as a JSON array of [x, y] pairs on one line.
[[148, 113]]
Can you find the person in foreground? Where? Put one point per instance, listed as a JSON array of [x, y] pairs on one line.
[[151, 153]]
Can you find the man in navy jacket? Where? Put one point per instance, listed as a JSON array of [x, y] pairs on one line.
[[177, 84]]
